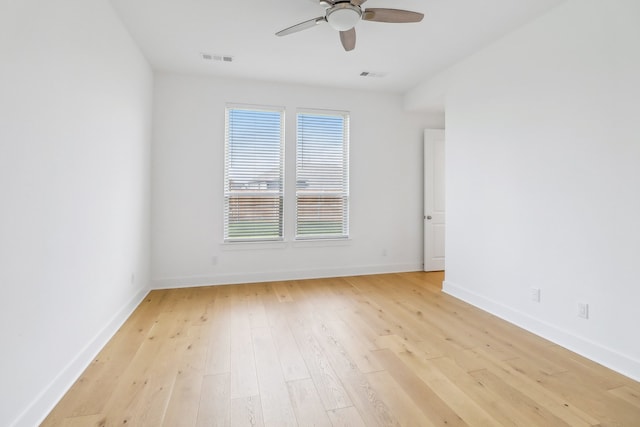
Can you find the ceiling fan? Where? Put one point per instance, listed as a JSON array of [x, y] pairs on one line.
[[343, 15]]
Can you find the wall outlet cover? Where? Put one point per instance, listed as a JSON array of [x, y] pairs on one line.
[[535, 294], [583, 310]]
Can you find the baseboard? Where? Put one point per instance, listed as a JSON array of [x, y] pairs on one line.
[[270, 276], [610, 358], [44, 402]]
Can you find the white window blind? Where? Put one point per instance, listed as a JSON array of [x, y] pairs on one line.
[[322, 175], [253, 174]]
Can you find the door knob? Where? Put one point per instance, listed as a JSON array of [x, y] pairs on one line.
[[428, 216]]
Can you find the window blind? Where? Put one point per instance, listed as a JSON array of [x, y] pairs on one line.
[[253, 174], [322, 175]]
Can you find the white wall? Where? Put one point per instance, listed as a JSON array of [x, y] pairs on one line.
[[543, 182], [75, 104], [187, 227]]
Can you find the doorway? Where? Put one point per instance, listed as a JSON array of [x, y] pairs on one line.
[[434, 200]]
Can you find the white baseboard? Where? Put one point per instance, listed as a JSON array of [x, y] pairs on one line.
[[256, 277], [605, 356], [44, 402]]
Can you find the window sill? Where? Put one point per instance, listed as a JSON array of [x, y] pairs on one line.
[[315, 243], [302, 243], [243, 246]]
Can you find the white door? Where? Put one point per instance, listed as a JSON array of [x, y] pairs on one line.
[[434, 200]]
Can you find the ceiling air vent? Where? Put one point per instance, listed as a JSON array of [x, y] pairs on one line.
[[372, 74], [215, 57]]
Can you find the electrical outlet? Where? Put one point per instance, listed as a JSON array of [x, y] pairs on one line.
[[535, 294], [214, 260], [583, 310]]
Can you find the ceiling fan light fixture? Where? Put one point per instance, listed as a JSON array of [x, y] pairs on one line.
[[343, 16]]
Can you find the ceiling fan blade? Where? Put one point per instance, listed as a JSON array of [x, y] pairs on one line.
[[301, 26], [391, 15], [348, 39], [357, 2]]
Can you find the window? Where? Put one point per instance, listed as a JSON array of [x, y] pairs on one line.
[[322, 175], [253, 173]]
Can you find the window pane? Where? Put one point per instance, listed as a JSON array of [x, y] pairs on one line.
[[253, 174], [322, 179]]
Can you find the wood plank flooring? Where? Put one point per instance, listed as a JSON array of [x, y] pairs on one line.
[[382, 350]]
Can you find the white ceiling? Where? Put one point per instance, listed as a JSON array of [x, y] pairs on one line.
[[173, 33]]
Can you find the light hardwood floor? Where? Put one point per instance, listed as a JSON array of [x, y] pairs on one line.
[[388, 350]]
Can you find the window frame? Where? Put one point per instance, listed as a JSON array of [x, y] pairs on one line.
[[343, 193], [228, 192]]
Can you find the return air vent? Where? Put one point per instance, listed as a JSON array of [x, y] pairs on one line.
[[216, 57]]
